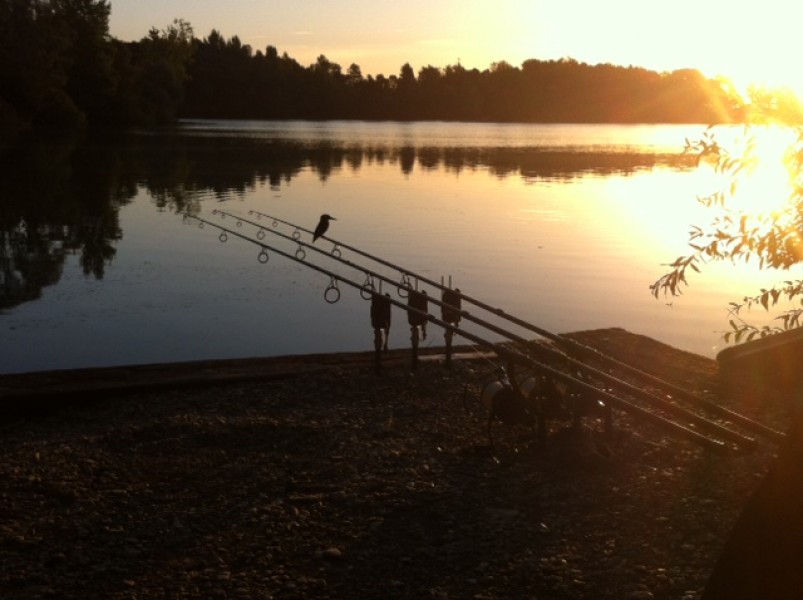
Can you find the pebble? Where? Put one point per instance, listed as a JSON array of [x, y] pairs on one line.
[[332, 553], [210, 493]]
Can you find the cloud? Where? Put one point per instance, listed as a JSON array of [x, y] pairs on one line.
[[436, 42]]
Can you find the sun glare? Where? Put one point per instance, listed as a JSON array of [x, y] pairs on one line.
[[760, 182]]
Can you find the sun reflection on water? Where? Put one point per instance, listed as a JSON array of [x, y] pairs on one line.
[[565, 245]]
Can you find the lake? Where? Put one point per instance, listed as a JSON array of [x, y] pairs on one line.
[[564, 226]]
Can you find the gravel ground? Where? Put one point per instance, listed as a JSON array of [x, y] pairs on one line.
[[344, 484]]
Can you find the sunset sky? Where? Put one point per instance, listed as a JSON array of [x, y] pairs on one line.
[[748, 41]]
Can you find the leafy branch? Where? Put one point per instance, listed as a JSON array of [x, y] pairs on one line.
[[774, 239], [766, 299]]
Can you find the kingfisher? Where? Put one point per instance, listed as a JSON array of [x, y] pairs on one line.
[[323, 225]]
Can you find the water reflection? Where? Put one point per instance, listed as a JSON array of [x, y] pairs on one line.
[[63, 198], [58, 199]]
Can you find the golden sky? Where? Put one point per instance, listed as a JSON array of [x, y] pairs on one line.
[[746, 40]]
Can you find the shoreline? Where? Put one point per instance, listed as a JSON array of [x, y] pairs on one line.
[[146, 377], [615, 342], [321, 480]]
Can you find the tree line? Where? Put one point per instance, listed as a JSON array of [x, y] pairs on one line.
[[60, 68], [227, 79]]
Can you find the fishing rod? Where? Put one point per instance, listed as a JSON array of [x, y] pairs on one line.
[[647, 396], [367, 286], [566, 343], [516, 357]]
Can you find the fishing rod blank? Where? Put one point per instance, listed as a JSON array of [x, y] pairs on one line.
[[653, 399], [368, 285], [644, 395], [508, 354], [515, 356], [569, 344], [405, 274]]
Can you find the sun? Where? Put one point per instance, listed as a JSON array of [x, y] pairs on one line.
[[756, 48], [757, 171]]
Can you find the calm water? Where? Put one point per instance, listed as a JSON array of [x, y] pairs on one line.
[[564, 226]]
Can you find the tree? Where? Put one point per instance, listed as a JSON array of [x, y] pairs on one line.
[[166, 56], [741, 233], [91, 79], [34, 49], [354, 74], [760, 559], [152, 75], [503, 92], [406, 76], [424, 97]]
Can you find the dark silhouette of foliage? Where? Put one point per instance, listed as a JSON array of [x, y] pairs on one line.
[[59, 68], [91, 78], [767, 236], [34, 63], [152, 76], [63, 197], [228, 80]]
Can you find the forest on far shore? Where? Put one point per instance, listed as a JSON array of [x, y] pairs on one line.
[[61, 70]]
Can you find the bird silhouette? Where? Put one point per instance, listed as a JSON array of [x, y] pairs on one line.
[[323, 225]]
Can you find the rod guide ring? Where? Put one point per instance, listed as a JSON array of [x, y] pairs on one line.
[[332, 293]]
